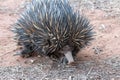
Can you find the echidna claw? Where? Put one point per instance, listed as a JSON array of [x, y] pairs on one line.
[[64, 60], [17, 53]]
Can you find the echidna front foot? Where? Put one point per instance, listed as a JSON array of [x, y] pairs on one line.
[[25, 53], [63, 60]]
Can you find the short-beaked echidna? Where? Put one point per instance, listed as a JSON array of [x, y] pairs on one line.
[[52, 28]]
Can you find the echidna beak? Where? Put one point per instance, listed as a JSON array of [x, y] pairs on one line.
[[67, 51], [69, 57]]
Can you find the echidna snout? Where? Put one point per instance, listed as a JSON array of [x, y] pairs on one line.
[[67, 51]]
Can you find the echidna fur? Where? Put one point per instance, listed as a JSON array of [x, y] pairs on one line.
[[47, 26]]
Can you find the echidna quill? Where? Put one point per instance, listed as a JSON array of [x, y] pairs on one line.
[[52, 28]]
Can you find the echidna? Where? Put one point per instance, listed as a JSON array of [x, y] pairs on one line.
[[52, 28]]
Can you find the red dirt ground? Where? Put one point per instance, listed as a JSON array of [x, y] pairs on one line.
[[107, 37]]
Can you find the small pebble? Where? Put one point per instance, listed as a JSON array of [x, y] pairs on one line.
[[116, 36], [70, 78], [32, 61], [97, 50], [102, 27]]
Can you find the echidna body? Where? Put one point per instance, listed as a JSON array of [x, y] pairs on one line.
[[52, 28]]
